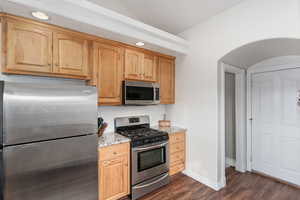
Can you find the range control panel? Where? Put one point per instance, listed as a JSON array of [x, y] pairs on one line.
[[134, 120]]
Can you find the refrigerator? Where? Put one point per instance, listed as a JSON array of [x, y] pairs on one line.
[[49, 143]]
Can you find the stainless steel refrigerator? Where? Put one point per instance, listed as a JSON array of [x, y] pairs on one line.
[[48, 142]]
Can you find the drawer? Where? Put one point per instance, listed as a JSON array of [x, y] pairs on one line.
[[177, 147], [113, 151], [177, 157], [177, 168], [177, 137], [114, 161]]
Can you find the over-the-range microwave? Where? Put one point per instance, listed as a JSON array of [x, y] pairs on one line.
[[140, 93]]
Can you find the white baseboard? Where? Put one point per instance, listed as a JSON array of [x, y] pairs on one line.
[[230, 162], [206, 181]]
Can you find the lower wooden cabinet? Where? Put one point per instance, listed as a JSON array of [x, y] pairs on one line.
[[177, 152], [114, 171]]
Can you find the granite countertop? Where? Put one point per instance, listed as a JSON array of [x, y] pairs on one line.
[[170, 130], [111, 138]]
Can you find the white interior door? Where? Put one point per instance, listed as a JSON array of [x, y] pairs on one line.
[[276, 124]]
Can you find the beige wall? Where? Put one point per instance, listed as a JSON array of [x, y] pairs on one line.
[[197, 91]]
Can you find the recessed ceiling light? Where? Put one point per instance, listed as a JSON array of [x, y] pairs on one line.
[[40, 15], [140, 44]]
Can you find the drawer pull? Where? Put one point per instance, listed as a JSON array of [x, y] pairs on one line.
[[106, 163]]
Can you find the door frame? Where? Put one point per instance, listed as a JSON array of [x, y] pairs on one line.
[[240, 110], [250, 72]]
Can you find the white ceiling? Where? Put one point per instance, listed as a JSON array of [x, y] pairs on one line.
[[173, 16], [255, 52], [88, 17]]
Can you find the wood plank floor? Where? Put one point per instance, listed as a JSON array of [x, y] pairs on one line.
[[240, 186]]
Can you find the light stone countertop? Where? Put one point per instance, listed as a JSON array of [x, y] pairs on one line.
[[170, 130], [112, 138]]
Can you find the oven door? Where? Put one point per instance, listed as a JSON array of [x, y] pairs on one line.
[[140, 93], [149, 161]]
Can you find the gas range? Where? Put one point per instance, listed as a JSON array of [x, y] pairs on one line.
[[140, 134], [149, 154]]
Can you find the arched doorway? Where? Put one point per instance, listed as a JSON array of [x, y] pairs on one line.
[[241, 59]]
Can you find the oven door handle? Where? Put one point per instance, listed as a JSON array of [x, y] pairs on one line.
[[151, 147], [148, 184]]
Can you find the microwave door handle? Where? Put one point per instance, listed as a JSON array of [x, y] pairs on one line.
[[151, 147], [154, 94]]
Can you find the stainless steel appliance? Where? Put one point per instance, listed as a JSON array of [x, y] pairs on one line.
[[140, 93], [48, 142], [149, 154]]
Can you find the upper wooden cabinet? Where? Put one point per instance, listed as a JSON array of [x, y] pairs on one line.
[[70, 54], [167, 80], [44, 50], [108, 67], [35, 48], [150, 68], [29, 48], [134, 62], [140, 66]]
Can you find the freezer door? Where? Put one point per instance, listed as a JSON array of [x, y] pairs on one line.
[[64, 169], [36, 112]]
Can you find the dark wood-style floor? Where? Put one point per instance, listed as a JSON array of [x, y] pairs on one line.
[[240, 186]]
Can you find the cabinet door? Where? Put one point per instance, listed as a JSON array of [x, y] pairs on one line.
[[150, 68], [167, 80], [133, 65], [70, 54], [29, 48], [109, 64], [114, 178]]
